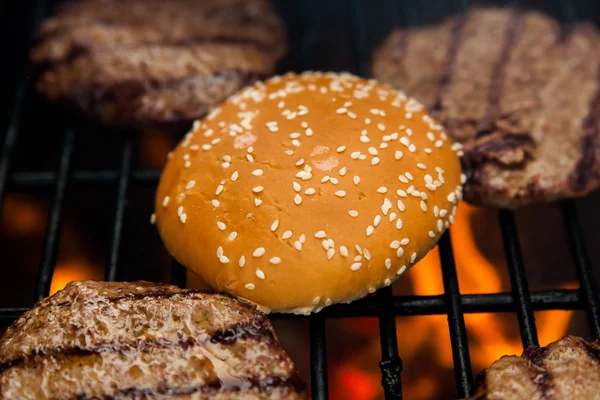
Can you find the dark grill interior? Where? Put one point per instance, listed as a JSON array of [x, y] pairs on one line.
[[59, 143]]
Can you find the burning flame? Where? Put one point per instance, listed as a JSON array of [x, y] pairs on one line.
[[424, 341]]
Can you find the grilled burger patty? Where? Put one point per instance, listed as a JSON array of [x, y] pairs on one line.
[[101, 340], [520, 91], [568, 369], [132, 62]]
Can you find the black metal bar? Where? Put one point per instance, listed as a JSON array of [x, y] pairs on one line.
[[589, 288], [51, 238], [124, 174], [420, 305], [16, 116], [43, 180], [456, 320], [318, 357], [178, 274], [361, 48], [390, 364], [518, 279]]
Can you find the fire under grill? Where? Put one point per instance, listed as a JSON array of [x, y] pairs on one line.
[[366, 23]]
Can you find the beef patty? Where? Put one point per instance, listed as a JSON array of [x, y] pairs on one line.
[[139, 340], [564, 370], [520, 92], [134, 62]]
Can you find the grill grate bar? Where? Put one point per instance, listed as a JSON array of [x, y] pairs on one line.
[[123, 185], [42, 180], [589, 289], [390, 364], [51, 238], [518, 279], [568, 299], [456, 320], [318, 357]]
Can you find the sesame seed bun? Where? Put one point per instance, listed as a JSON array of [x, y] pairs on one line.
[[308, 190]]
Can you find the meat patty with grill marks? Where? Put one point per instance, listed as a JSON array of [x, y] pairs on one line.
[[134, 62], [520, 91], [140, 340], [567, 369]]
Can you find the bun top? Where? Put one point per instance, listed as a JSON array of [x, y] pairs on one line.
[[308, 190]]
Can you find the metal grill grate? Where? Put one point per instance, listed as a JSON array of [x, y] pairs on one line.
[[384, 305]]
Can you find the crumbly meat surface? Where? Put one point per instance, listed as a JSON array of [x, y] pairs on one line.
[[136, 62], [141, 340], [563, 370], [520, 92]]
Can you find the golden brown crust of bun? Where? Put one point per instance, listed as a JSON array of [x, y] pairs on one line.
[[283, 166]]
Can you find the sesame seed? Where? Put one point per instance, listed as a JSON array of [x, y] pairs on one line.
[[316, 300], [370, 230], [298, 245], [302, 238], [179, 210], [365, 139], [452, 197], [166, 201], [344, 251], [353, 213], [340, 193], [364, 132], [399, 223], [274, 225], [375, 161], [296, 143], [257, 172], [308, 132], [296, 186], [382, 189], [343, 171], [356, 266], [259, 252], [289, 152], [388, 263], [275, 260], [328, 302], [443, 213], [431, 234], [367, 120], [400, 205], [330, 253], [354, 155], [410, 189], [412, 148], [393, 216], [413, 257], [219, 252], [423, 206], [224, 260], [395, 244], [403, 179], [295, 135], [206, 147], [409, 175], [341, 110], [351, 114], [300, 162], [463, 178], [421, 166], [249, 157], [297, 199], [257, 189], [367, 254], [260, 274], [356, 180], [190, 184], [334, 181], [401, 193], [383, 146], [215, 141], [387, 282], [249, 286], [325, 179], [439, 143], [257, 202], [430, 186], [357, 247], [450, 218], [341, 149], [405, 241], [399, 252], [377, 220], [250, 149], [221, 226], [381, 127], [373, 151], [153, 218], [440, 225], [401, 270], [187, 164]]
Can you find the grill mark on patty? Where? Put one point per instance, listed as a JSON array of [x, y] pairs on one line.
[[288, 384], [583, 171], [446, 77], [253, 329], [486, 125], [543, 380]]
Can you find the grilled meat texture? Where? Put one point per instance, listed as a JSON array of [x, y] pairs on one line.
[[105, 340], [520, 92], [135, 62], [564, 370]]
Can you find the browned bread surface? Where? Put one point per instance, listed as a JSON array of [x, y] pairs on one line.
[[567, 369], [520, 91], [134, 61], [141, 340]]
